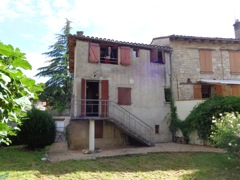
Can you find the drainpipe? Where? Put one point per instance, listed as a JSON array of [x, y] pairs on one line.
[[171, 81]]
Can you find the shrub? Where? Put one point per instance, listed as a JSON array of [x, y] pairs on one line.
[[38, 129], [226, 132], [200, 118]]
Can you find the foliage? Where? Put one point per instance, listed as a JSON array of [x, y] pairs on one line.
[[174, 120], [200, 118], [58, 89], [38, 129], [226, 132], [16, 90]]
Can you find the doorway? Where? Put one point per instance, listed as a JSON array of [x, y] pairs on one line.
[[92, 96]]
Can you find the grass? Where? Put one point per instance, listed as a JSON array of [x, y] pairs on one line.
[[19, 163]]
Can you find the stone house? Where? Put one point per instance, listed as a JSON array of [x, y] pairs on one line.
[[202, 67], [118, 93]]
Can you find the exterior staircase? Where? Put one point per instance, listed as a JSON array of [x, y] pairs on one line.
[[119, 116]]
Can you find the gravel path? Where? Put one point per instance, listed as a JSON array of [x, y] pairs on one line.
[[59, 151]]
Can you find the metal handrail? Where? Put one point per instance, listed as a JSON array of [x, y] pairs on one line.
[[87, 108]]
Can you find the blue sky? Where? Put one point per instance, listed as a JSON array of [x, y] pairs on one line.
[[31, 25]]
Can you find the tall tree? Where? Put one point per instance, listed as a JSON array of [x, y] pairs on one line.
[[16, 90], [58, 89]]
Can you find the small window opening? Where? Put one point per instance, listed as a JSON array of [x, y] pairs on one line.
[[167, 94], [108, 55], [135, 52], [206, 91], [156, 129]]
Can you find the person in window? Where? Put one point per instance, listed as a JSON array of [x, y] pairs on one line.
[[108, 55]]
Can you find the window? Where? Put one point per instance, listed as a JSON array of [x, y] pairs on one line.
[[135, 52], [157, 56], [124, 96], [156, 129], [205, 59], [234, 57], [202, 91], [167, 94], [108, 54]]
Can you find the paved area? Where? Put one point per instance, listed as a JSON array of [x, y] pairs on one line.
[[59, 151]]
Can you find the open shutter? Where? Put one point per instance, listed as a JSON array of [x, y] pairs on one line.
[[83, 98], [94, 53], [125, 55], [104, 96], [197, 90], [154, 55]]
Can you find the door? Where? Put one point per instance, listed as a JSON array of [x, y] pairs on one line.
[[92, 98]]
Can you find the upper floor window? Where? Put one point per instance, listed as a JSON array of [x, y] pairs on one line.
[[157, 56], [205, 59], [234, 57], [135, 52], [108, 54]]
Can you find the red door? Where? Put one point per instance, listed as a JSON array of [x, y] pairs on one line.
[[104, 98], [83, 98]]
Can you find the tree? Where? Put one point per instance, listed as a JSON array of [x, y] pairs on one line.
[[16, 90], [58, 89]]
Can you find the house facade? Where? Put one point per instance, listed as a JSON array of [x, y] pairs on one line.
[[119, 93], [202, 67]]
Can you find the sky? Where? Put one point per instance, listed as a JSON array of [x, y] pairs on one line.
[[32, 25]]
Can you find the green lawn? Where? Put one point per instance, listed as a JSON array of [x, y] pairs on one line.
[[18, 163]]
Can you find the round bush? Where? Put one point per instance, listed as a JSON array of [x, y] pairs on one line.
[[38, 129]]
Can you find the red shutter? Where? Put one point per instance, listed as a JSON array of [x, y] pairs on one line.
[[197, 89], [124, 96], [154, 54], [83, 98], [104, 96], [94, 52], [125, 55]]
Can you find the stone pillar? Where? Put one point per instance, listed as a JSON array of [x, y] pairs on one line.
[[91, 135]]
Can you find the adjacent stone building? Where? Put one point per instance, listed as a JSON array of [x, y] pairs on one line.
[[202, 67]]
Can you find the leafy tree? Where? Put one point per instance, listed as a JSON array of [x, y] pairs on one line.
[[16, 90], [58, 89]]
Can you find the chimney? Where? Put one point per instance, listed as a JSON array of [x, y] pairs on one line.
[[79, 33], [237, 29]]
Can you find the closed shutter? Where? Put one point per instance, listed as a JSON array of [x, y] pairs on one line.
[[218, 89], [125, 55], [234, 58], [154, 55], [83, 98], [94, 53], [124, 96], [197, 91], [104, 98], [235, 90], [205, 60]]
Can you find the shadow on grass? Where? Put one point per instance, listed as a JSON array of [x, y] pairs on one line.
[[201, 165]]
